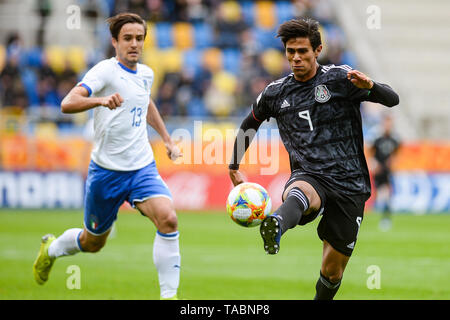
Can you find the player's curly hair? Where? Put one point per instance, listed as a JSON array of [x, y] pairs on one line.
[[116, 23], [303, 28]]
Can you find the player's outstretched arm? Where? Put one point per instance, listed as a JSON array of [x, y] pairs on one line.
[[154, 119], [78, 100], [379, 92], [245, 135]]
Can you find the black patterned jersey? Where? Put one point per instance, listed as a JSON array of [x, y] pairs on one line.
[[320, 125]]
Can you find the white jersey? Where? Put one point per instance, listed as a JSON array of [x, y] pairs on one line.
[[120, 136]]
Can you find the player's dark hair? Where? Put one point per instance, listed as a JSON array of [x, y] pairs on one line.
[[300, 28], [116, 23]]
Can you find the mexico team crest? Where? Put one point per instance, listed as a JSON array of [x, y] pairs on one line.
[[322, 94]]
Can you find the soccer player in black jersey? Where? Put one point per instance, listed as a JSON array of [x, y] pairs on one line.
[[317, 109], [384, 148]]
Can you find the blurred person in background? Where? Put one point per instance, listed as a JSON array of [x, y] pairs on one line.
[[47, 85], [384, 149], [122, 165], [220, 98], [44, 9], [229, 24], [166, 98], [157, 11], [12, 90], [66, 80]]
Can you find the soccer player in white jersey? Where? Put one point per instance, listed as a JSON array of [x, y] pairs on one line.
[[122, 165]]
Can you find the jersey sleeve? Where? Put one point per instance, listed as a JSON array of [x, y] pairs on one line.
[[380, 93], [261, 108], [355, 93], [95, 79]]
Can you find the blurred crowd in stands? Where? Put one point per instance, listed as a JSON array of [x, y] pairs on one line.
[[211, 58]]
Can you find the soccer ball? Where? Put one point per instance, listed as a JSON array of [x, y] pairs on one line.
[[248, 204]]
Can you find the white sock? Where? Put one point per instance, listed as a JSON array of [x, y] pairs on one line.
[[166, 256], [66, 244]]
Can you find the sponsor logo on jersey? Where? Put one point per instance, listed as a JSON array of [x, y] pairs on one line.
[[322, 94], [351, 245], [285, 104]]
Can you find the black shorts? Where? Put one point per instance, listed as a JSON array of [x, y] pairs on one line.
[[382, 179], [342, 214]]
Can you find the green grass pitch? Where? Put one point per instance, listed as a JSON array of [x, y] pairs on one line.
[[223, 261]]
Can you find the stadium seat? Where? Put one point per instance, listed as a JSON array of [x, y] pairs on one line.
[[213, 59], [225, 82], [203, 35], [56, 57], [76, 57], [231, 10], [154, 58], [2, 57], [196, 108], [192, 60], [12, 111], [182, 33], [164, 35], [265, 14], [284, 11], [248, 13], [13, 120], [150, 39], [173, 60], [232, 60], [273, 62], [29, 80], [266, 38]]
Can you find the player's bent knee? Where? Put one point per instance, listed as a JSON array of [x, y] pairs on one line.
[[310, 193], [333, 272], [92, 246], [168, 223], [335, 278], [172, 222]]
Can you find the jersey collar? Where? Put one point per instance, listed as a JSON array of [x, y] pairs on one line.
[[319, 70], [124, 67]]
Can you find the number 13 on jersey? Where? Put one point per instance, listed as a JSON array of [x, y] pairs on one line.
[[137, 113], [305, 115]]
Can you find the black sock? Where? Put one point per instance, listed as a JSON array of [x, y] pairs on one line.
[[325, 289], [292, 209]]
